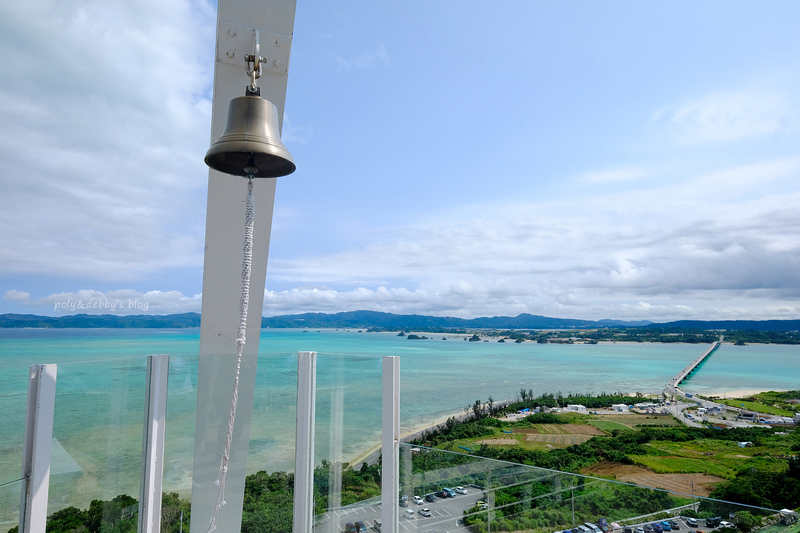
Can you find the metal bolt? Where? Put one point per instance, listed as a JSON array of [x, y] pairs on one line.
[[231, 32], [230, 54]]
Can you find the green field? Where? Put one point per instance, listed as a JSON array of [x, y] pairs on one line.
[[609, 425], [758, 407]]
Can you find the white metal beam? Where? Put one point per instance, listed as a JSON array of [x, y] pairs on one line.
[[154, 431], [390, 448], [37, 448], [223, 261], [304, 444]]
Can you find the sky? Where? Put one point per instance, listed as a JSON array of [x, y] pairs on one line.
[[624, 160]]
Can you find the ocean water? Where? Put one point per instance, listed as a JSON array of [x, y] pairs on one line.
[[101, 378]]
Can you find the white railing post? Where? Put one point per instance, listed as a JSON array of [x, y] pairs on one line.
[[155, 416], [304, 445], [390, 448], [37, 448]]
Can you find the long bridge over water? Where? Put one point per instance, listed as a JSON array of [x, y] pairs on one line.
[[672, 386]]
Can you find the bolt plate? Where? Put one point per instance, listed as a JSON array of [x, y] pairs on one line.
[[234, 42]]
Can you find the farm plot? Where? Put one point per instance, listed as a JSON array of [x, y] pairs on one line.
[[679, 483], [561, 434]]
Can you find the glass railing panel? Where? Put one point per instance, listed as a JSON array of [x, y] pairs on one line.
[[97, 435], [179, 438], [463, 492], [10, 492], [13, 402], [348, 435]]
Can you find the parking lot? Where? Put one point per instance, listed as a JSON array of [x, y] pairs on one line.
[[445, 515]]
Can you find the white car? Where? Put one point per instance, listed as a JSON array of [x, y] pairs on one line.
[[425, 511], [418, 500], [460, 490], [408, 513], [725, 524]]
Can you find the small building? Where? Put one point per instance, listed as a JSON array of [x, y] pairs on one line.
[[577, 408], [745, 444], [621, 407]]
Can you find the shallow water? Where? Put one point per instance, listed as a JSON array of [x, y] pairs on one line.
[[100, 391]]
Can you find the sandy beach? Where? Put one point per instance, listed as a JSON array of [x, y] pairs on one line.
[[372, 453], [736, 394]]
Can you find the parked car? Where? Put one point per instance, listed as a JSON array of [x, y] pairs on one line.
[[639, 530], [377, 525], [674, 524], [417, 500], [350, 528], [691, 522], [403, 501], [723, 523], [449, 493], [648, 528], [430, 498], [627, 529], [713, 522], [360, 527], [408, 513], [461, 490], [657, 528], [665, 526], [425, 511]]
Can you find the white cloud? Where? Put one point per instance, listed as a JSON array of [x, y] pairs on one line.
[[101, 154], [673, 247], [615, 175], [17, 296], [292, 134], [728, 117], [365, 60]]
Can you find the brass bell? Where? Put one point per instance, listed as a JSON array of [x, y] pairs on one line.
[[251, 143]]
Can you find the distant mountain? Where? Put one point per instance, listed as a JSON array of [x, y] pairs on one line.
[[367, 319], [185, 320], [733, 325], [374, 319]]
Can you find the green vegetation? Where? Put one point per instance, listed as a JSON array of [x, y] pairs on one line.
[[118, 515], [781, 403], [765, 475], [756, 406], [608, 425]]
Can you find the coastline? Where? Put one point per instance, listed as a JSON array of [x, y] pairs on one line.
[[371, 454], [737, 394]]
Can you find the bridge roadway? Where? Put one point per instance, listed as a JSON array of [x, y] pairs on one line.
[[672, 387]]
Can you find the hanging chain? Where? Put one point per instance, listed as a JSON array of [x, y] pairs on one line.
[[255, 59]]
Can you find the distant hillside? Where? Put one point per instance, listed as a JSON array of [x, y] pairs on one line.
[[733, 325], [389, 321], [185, 320], [374, 319]]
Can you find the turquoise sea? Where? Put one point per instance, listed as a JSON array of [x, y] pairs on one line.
[[100, 392]]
